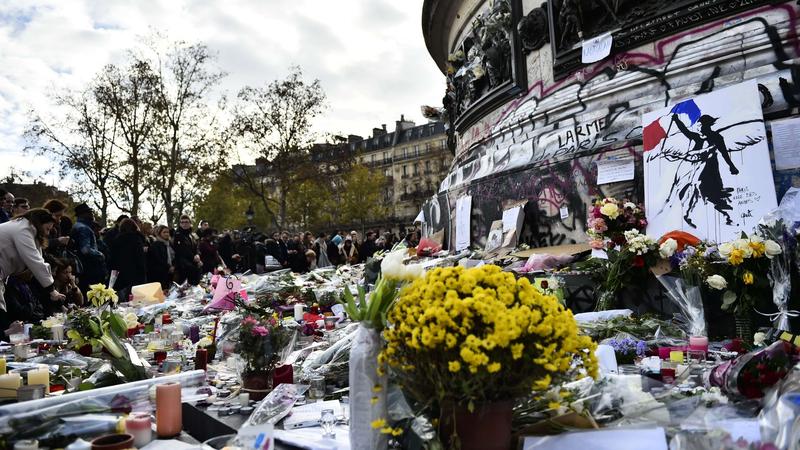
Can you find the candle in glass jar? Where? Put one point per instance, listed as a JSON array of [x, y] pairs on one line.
[[698, 343], [39, 376], [298, 312]]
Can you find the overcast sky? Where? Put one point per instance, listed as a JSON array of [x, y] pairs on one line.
[[369, 54]]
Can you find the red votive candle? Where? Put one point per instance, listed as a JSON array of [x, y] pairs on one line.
[[160, 356], [698, 343], [201, 359]]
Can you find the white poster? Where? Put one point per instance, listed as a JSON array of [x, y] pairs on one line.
[[463, 212], [706, 165]]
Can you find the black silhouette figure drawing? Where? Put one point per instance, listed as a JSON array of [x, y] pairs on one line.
[[705, 181]]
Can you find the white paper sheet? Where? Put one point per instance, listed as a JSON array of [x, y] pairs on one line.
[[596, 48], [463, 212], [786, 143], [611, 439], [614, 170], [512, 218]]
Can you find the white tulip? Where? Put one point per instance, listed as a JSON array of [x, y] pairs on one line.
[[392, 267], [772, 249], [717, 282], [668, 248]]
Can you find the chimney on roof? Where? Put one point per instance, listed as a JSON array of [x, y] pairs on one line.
[[383, 125], [378, 132], [403, 124], [353, 138]]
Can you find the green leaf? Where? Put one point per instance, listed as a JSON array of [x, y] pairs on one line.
[[118, 326]]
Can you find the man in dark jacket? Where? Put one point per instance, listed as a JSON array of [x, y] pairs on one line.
[[92, 260], [187, 261], [368, 248]]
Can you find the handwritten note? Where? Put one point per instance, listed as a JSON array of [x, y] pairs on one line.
[[596, 48], [463, 210], [786, 143], [512, 218], [614, 170], [563, 212]]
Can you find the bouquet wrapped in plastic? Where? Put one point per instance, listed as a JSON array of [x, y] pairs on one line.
[[752, 374], [690, 303], [778, 232]]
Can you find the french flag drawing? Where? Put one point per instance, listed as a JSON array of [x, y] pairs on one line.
[[653, 134]]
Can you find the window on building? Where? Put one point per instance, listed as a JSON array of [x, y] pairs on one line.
[[416, 150], [427, 166], [443, 143], [427, 146], [372, 158], [405, 151], [387, 172], [405, 170], [385, 157], [416, 168]]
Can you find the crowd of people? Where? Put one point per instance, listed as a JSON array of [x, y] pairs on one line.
[[48, 261]]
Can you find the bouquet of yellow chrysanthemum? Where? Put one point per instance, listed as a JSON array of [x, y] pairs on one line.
[[475, 336], [101, 295]]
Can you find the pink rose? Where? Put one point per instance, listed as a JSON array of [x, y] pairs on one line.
[[596, 212], [596, 244], [599, 225], [260, 331], [249, 320]]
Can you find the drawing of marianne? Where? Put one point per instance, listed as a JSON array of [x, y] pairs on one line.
[[701, 178]]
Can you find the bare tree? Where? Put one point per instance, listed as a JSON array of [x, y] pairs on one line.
[[274, 123], [185, 148], [82, 144], [130, 94]]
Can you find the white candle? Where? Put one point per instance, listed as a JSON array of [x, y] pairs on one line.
[[9, 384], [298, 312], [244, 399], [39, 376], [58, 332]]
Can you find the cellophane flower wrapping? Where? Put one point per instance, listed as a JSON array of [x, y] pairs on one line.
[[690, 303], [367, 391], [780, 407], [752, 374], [779, 227]]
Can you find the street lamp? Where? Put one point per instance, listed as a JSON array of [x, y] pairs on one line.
[[250, 214]]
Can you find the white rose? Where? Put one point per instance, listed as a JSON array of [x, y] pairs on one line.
[[630, 205], [759, 338], [717, 282], [725, 250], [772, 249], [668, 248]]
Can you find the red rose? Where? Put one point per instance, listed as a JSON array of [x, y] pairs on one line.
[[638, 261]]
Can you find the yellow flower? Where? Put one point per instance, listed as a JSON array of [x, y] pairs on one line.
[[379, 423], [373, 400], [553, 405], [748, 278], [736, 257], [516, 350], [610, 210], [494, 367], [454, 366], [377, 388]]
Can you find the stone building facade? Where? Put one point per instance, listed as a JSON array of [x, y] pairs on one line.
[[414, 159], [529, 121]]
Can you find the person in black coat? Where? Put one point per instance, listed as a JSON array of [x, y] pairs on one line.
[[187, 260], [297, 255], [368, 248], [161, 258], [128, 257]]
